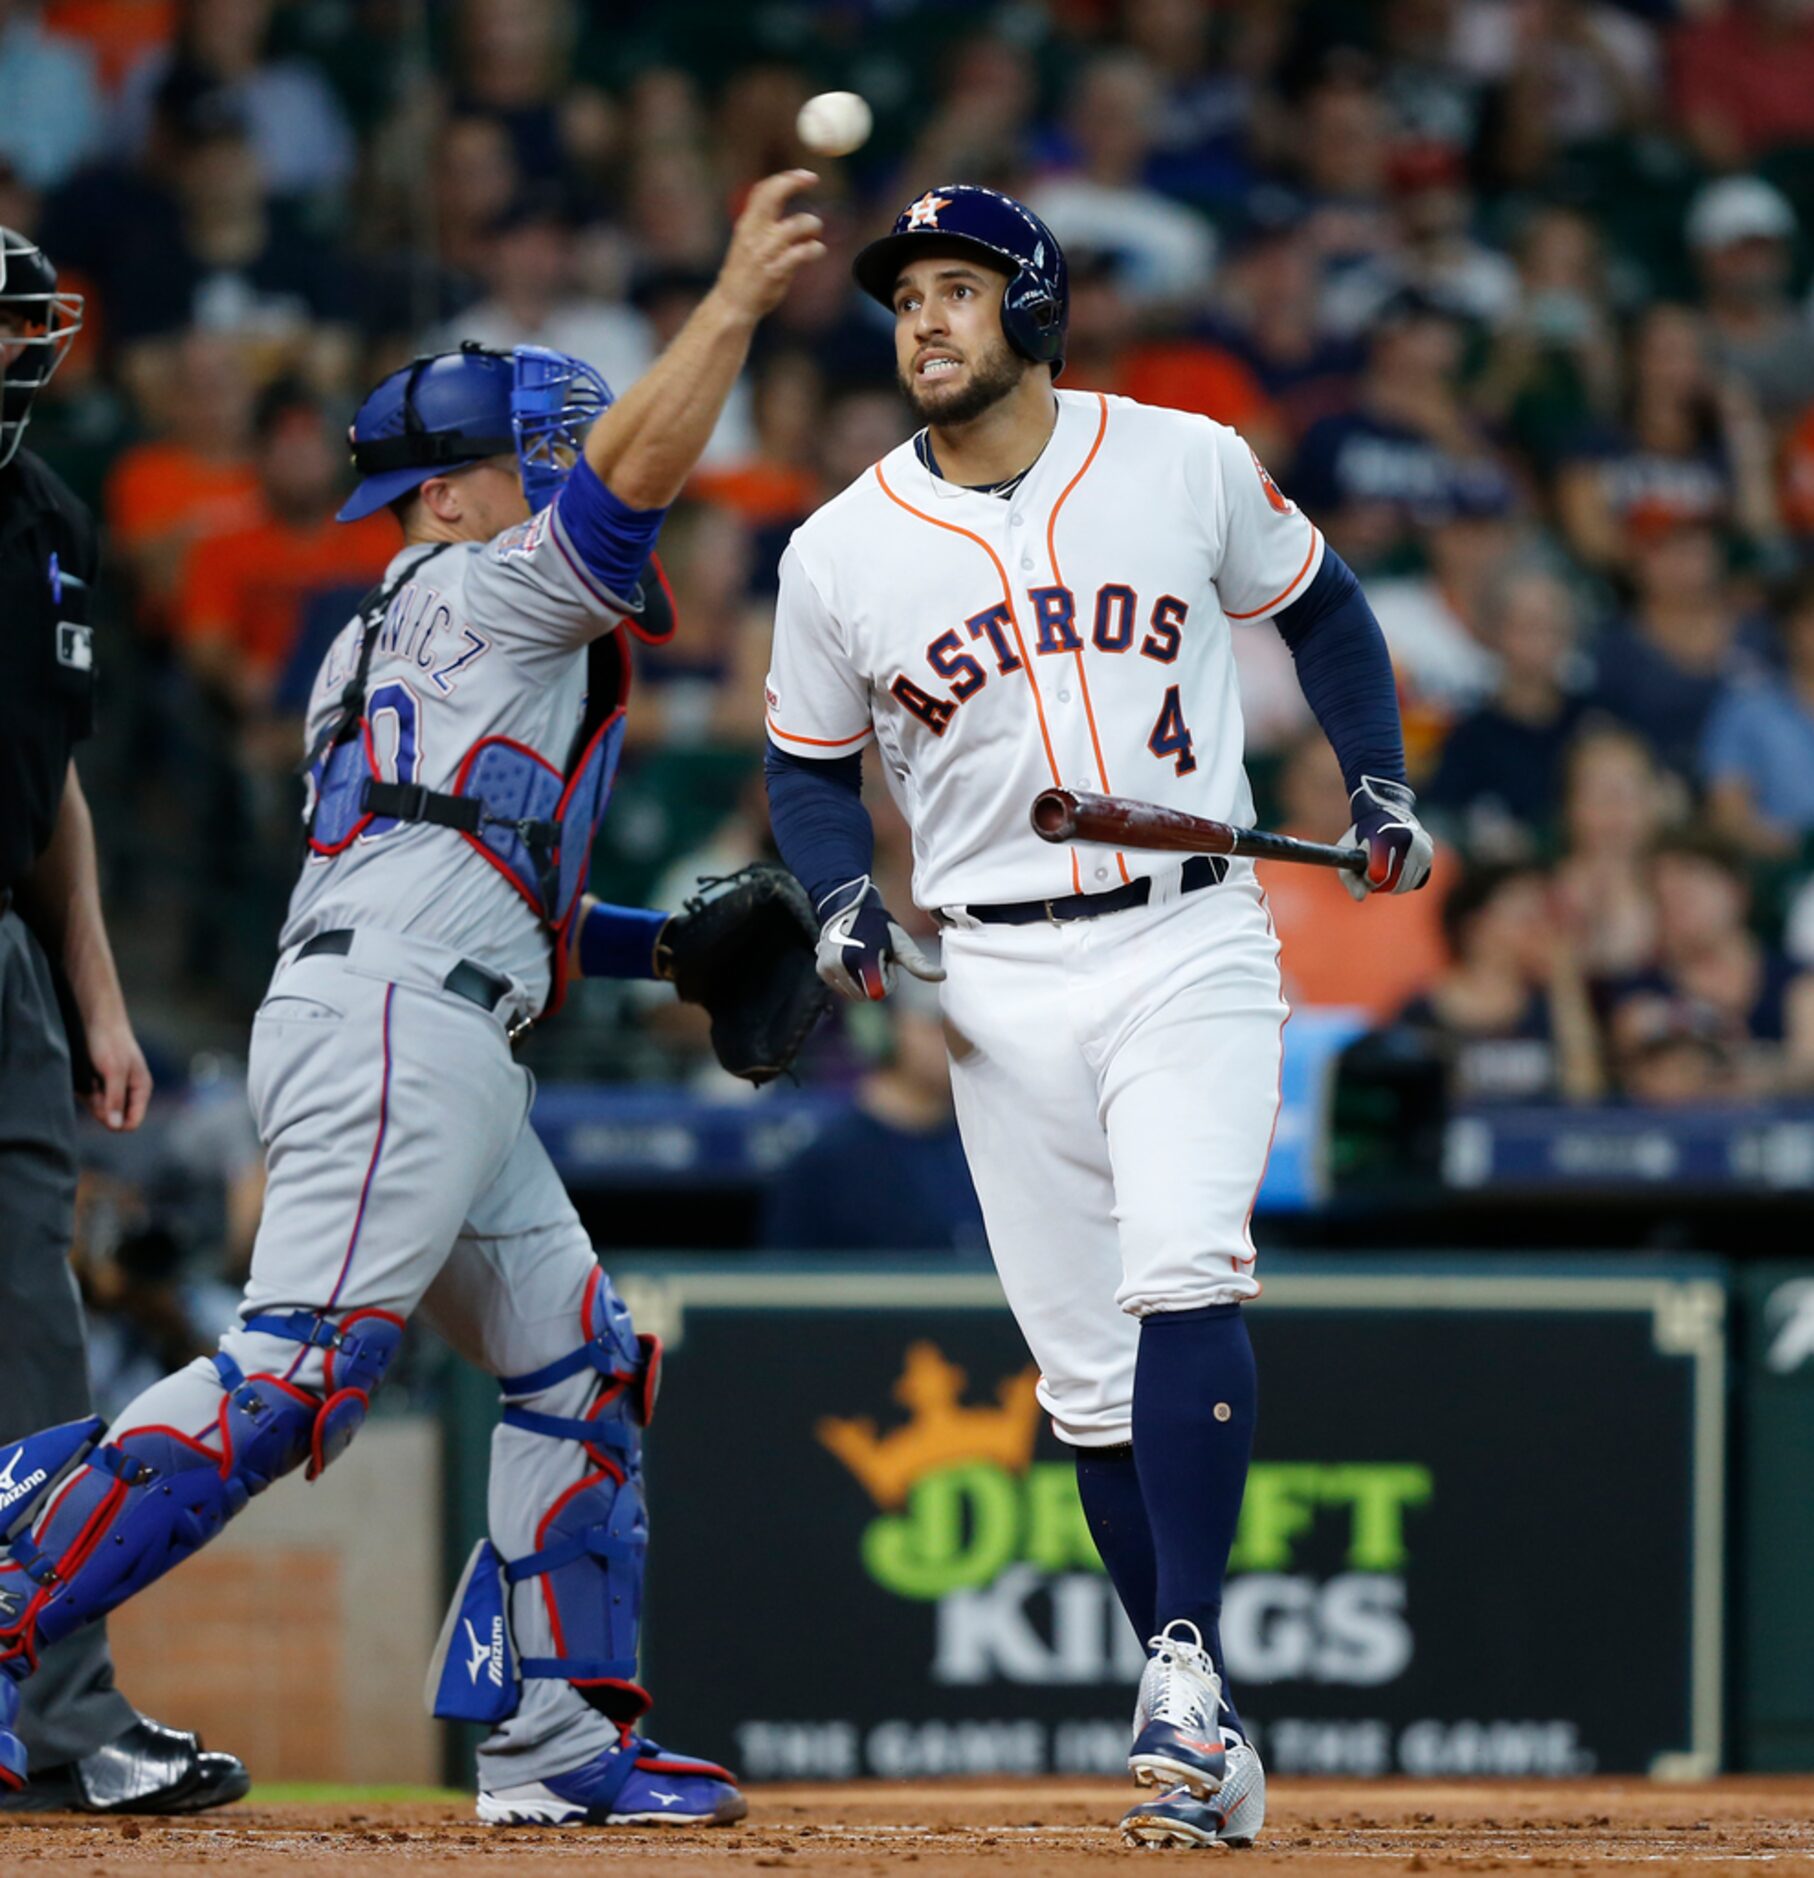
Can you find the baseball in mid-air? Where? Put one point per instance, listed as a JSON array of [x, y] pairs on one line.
[[834, 123]]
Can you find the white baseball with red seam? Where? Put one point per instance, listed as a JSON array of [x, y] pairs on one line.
[[834, 123]]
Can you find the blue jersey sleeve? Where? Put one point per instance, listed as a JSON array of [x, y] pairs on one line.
[[613, 539]]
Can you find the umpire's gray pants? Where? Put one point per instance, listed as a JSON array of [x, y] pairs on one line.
[[71, 1706]]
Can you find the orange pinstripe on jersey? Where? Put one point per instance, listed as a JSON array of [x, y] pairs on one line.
[[818, 743], [1083, 682], [1007, 594], [1279, 599]]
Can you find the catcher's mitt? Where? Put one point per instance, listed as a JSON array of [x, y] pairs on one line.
[[743, 946]]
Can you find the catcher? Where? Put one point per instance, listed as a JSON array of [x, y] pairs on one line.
[[463, 734]]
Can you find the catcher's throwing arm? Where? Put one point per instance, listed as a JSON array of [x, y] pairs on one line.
[[1117, 822]]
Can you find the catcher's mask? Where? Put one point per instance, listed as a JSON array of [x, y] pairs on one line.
[[448, 410], [47, 321]]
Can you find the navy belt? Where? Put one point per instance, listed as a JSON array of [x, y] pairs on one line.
[[467, 980], [1201, 870]]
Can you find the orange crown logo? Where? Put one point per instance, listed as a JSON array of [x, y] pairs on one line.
[[941, 1430]]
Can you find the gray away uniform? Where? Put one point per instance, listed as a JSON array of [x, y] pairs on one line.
[[403, 1173]]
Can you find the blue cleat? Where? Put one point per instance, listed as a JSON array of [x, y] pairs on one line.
[[633, 1784], [1178, 1736], [1174, 1818], [1232, 1817]]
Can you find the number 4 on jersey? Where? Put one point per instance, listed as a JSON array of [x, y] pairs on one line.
[[1171, 735]]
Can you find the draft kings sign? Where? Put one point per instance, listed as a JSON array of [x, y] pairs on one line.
[[868, 1557]]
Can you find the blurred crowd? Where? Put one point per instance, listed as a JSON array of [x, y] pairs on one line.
[[1511, 295]]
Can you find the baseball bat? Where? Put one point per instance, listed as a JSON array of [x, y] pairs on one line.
[[1117, 822]]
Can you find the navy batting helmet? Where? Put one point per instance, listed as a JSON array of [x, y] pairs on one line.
[[452, 409], [998, 230]]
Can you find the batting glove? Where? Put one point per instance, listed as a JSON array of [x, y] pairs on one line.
[[1399, 848], [860, 944]]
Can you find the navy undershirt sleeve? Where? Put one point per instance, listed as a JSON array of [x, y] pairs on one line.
[[821, 826], [613, 539], [1346, 672]]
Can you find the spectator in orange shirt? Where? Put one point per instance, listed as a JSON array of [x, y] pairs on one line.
[[1104, 352], [243, 593], [1335, 950], [193, 478], [117, 32], [776, 484]]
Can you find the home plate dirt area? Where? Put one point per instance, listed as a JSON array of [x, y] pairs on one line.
[[995, 1827]]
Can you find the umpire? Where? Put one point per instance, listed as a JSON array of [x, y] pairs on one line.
[[89, 1748]]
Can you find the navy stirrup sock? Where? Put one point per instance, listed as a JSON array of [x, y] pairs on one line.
[[1110, 1490], [1195, 1403]]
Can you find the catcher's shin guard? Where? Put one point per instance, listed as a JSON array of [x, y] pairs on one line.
[[90, 1521], [12, 1749], [587, 1568]]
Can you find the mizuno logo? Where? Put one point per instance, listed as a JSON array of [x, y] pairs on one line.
[[667, 1799], [12, 1490], [487, 1656]]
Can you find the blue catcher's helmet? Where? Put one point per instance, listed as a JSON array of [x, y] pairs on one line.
[[451, 409], [996, 229]]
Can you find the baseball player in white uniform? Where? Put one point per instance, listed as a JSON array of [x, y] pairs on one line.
[[1040, 588], [462, 736]]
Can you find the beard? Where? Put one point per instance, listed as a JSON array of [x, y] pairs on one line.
[[990, 379]]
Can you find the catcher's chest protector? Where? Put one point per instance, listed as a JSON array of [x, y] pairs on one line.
[[534, 823]]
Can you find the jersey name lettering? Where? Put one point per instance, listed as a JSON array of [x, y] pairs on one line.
[[419, 629], [1115, 625]]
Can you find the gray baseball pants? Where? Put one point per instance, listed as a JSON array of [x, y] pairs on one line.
[[404, 1177], [70, 1705]]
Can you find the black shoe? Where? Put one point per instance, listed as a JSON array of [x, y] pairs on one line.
[[149, 1769]]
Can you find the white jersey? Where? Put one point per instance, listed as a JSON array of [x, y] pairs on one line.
[[1077, 633], [482, 639]]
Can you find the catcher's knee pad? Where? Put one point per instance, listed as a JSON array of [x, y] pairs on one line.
[[97, 1522], [590, 1543], [354, 1352]]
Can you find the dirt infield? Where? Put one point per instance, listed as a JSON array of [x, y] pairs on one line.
[[994, 1827]]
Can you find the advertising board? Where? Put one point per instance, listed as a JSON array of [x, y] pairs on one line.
[[1482, 1534]]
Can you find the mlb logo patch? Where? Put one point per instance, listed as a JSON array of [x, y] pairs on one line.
[[524, 538], [75, 646]]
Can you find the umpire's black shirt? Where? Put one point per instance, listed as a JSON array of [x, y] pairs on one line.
[[47, 569]]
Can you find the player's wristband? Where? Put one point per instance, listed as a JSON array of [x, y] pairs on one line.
[[619, 941]]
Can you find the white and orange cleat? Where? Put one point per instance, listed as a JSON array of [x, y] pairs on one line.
[[1177, 1715]]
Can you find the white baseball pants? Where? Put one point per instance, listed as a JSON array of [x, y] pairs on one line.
[[1117, 1084]]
